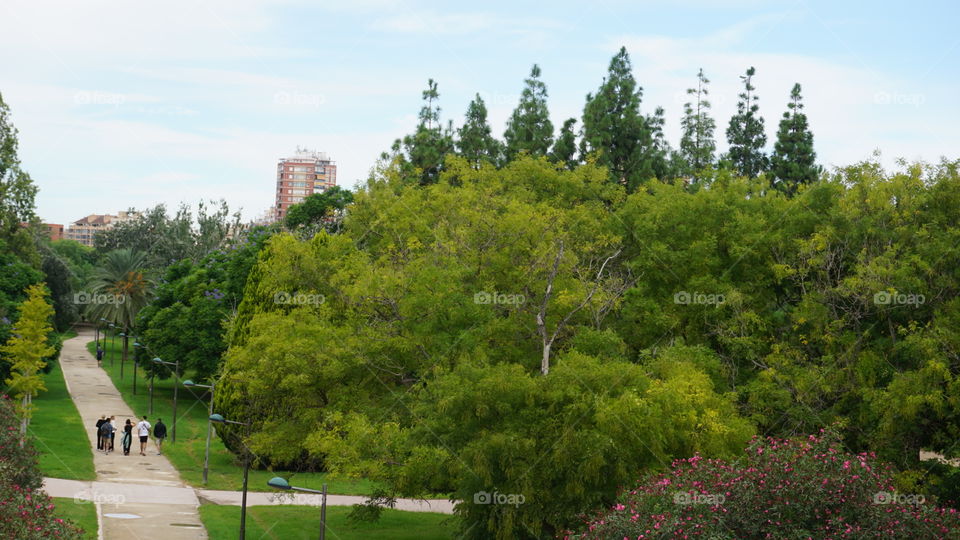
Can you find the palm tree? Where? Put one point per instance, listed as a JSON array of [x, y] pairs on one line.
[[122, 279]]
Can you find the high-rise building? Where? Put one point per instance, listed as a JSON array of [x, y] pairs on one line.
[[84, 229], [305, 173]]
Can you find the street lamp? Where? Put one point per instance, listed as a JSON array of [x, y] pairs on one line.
[[206, 454], [246, 472], [176, 374], [280, 482], [113, 342], [124, 357], [104, 321]]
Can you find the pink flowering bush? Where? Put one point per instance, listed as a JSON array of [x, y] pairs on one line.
[[784, 489], [26, 513]]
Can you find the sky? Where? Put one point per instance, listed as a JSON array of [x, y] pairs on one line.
[[130, 104]]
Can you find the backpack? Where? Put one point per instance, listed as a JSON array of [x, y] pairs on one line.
[[105, 429]]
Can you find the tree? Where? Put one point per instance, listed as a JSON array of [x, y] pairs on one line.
[[120, 288], [565, 148], [529, 128], [794, 162], [422, 153], [697, 145], [614, 128], [26, 349], [17, 192], [474, 141], [324, 208], [745, 132]]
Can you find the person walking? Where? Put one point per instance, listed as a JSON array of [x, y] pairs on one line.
[[143, 431], [103, 418], [160, 433], [127, 437], [106, 430], [113, 430], [99, 354]]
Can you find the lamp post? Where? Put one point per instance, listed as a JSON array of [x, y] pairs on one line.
[[104, 321], [113, 342], [135, 345], [147, 349], [281, 483], [246, 472], [123, 357], [206, 453], [176, 374]]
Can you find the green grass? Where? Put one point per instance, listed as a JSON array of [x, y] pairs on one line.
[[60, 436], [187, 453], [303, 522], [84, 515]]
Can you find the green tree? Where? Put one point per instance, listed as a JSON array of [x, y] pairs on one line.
[[794, 161], [320, 209], [26, 350], [422, 153], [615, 129], [565, 148], [697, 145], [745, 132], [17, 192], [120, 288], [529, 128], [474, 139]]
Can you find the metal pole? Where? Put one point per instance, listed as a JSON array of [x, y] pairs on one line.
[[176, 375], [151, 393], [206, 454], [113, 345], [243, 503], [134, 374], [123, 358], [323, 514]]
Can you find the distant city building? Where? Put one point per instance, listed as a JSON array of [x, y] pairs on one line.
[[266, 217], [303, 174], [56, 230], [84, 229]]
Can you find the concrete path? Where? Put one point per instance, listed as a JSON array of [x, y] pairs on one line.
[[108, 493], [138, 497]]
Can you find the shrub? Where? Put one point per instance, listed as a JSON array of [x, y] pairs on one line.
[[26, 513], [805, 488]]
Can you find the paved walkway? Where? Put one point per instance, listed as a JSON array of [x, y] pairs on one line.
[[107, 493], [138, 497]]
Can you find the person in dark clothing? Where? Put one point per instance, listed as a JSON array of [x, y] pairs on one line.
[[106, 432], [113, 432], [103, 418], [99, 354], [127, 437], [160, 433]]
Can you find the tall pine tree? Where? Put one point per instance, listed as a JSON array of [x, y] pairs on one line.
[[794, 161], [424, 151], [474, 142], [614, 128], [697, 144], [745, 132], [565, 148], [529, 128]]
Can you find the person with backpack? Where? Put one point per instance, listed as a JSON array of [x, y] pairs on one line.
[[99, 354], [96, 433], [106, 433], [160, 433]]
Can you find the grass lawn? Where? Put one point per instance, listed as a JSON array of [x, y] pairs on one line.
[[303, 522], [187, 453], [59, 434], [84, 515]]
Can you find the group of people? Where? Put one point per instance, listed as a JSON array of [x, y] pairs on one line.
[[107, 431]]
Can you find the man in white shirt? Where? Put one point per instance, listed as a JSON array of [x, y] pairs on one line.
[[143, 430]]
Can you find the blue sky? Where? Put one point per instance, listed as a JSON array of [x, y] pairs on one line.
[[130, 104]]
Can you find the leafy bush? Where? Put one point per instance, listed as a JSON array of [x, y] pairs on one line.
[[26, 513], [806, 488]]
